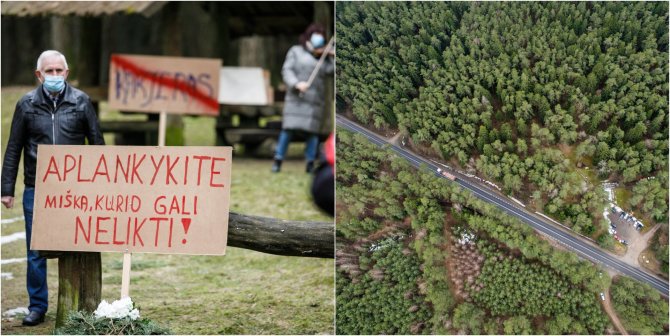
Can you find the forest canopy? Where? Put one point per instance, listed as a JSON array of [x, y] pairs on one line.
[[522, 93], [506, 276]]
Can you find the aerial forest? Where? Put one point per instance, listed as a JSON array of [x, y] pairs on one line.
[[432, 258], [547, 99]]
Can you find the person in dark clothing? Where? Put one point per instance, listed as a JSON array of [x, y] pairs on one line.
[[323, 186], [54, 113]]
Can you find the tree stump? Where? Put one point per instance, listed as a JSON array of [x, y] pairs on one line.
[[79, 283]]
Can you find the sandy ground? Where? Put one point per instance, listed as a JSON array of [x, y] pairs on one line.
[[395, 139], [639, 244]]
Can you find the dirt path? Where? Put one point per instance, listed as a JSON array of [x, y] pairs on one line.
[[640, 245], [607, 304], [395, 139]]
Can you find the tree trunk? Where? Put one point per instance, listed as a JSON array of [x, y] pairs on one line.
[[79, 283], [282, 237]]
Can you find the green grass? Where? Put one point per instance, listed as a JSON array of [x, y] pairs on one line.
[[243, 292], [622, 197]]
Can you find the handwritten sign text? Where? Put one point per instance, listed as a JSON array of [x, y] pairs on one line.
[[140, 199]]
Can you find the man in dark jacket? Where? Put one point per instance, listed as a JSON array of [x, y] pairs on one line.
[[54, 113]]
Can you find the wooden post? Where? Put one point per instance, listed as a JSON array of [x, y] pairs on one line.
[[125, 275], [79, 283], [162, 124]]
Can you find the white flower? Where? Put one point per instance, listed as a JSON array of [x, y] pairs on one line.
[[134, 315], [117, 310]]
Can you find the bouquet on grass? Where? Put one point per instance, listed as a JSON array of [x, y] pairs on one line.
[[118, 318]]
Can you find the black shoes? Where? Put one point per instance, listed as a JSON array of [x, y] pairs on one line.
[[33, 319], [276, 167]]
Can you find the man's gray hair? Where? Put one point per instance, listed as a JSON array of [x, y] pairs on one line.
[[49, 53]]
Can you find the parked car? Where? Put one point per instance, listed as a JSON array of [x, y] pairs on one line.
[[602, 296]]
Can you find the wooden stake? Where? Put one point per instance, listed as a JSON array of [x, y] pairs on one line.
[[162, 121], [125, 276]]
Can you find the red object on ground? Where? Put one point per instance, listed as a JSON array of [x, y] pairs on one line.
[[330, 150]]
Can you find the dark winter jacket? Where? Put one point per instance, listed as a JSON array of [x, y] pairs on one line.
[[37, 121]]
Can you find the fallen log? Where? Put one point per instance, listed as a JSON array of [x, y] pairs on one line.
[[282, 237]]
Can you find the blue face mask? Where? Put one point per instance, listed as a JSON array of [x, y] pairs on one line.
[[54, 83], [317, 41]]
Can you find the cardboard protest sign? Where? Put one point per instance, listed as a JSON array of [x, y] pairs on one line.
[[159, 83], [132, 199], [245, 86]]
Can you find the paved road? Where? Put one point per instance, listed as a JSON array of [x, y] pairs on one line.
[[583, 248]]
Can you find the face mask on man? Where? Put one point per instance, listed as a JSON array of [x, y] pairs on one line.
[[317, 40], [54, 83]]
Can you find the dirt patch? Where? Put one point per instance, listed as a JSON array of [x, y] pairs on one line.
[[637, 246], [395, 139], [464, 266], [347, 254], [648, 260]]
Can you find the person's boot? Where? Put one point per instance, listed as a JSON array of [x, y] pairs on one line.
[[276, 167], [33, 319], [309, 167]]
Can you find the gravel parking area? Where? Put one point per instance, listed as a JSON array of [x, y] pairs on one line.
[[625, 228]]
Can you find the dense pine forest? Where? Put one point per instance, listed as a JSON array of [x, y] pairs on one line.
[[546, 99], [431, 258]]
